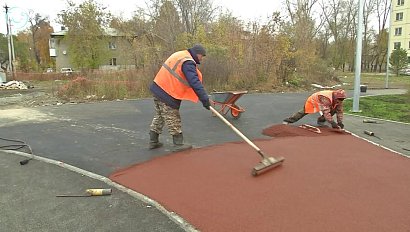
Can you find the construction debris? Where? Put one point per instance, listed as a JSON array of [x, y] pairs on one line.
[[370, 121], [328, 87], [13, 85]]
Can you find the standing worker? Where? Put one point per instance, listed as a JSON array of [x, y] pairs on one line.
[[327, 103], [178, 79]]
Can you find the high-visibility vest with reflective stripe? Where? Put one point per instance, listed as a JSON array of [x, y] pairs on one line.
[[312, 103], [173, 81]]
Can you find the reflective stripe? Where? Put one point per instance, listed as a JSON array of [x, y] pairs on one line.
[[172, 71], [179, 61], [314, 103]]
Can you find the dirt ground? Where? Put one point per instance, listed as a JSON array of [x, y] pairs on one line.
[[35, 95]]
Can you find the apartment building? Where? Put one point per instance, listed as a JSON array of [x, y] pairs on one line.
[[399, 36], [118, 46]]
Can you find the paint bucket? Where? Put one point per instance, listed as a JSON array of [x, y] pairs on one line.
[[363, 88], [99, 192]]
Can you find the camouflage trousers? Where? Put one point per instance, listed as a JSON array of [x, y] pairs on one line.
[[166, 115]]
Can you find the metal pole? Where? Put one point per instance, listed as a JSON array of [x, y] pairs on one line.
[[12, 51], [388, 53], [358, 63], [386, 84], [10, 64]]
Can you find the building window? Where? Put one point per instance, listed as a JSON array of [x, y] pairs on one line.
[[112, 45], [400, 2], [397, 31], [409, 44], [52, 43], [113, 61], [397, 45], [399, 16]]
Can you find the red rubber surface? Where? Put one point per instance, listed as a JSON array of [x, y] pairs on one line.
[[328, 182]]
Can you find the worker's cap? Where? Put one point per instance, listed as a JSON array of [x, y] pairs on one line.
[[199, 49], [339, 94]]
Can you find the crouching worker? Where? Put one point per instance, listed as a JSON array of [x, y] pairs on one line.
[[327, 103], [178, 79]]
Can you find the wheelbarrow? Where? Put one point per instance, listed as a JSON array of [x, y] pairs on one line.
[[224, 102]]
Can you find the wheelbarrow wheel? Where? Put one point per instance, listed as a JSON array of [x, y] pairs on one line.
[[235, 112]]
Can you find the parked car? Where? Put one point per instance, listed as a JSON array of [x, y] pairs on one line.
[[49, 70], [405, 71], [66, 71]]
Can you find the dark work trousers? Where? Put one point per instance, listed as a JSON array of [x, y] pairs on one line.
[[296, 116], [301, 113]]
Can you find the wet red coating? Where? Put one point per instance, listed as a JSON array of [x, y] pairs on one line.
[[346, 185]]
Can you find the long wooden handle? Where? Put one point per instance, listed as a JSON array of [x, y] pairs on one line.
[[234, 129]]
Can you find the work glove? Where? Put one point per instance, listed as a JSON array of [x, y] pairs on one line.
[[206, 104], [340, 124], [334, 125]]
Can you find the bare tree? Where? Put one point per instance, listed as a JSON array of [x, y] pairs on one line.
[[168, 26], [368, 33], [40, 33], [305, 24], [382, 13], [339, 17], [195, 13], [303, 29]]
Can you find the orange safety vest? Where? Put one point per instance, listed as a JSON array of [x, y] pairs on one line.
[[312, 104], [173, 81]]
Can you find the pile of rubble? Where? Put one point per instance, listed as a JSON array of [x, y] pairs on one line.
[[13, 85]]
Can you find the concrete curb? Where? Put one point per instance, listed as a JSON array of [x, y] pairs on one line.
[[379, 145], [383, 120], [379, 119]]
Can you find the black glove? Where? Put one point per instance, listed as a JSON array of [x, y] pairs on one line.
[[334, 125], [340, 124], [206, 104]]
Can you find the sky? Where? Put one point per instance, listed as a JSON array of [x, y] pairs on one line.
[[19, 9]]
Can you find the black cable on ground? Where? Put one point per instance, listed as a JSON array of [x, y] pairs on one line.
[[17, 147]]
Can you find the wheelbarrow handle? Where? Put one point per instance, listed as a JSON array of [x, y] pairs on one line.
[[235, 130]]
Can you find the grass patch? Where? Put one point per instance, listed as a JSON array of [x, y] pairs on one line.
[[376, 80], [391, 107]]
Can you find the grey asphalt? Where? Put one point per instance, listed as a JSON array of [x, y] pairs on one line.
[[77, 146]]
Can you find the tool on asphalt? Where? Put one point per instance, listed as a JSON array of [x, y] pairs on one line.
[[369, 121], [266, 163], [99, 192], [226, 102], [341, 131], [370, 133], [89, 193], [18, 146], [24, 162], [310, 128]]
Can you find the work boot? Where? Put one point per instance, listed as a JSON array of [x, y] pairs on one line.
[[287, 121], [321, 121], [179, 143], [153, 140]]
